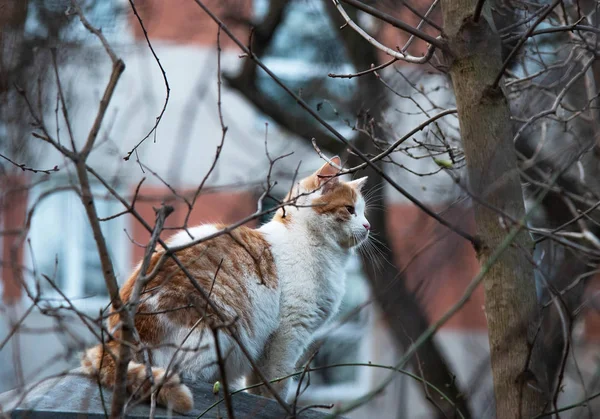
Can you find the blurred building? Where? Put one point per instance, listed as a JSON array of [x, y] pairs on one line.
[[437, 263]]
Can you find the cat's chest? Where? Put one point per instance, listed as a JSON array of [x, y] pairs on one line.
[[315, 288], [311, 275], [331, 281], [331, 287]]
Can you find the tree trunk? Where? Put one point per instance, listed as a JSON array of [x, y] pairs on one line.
[[13, 14], [510, 294], [402, 311], [12, 20]]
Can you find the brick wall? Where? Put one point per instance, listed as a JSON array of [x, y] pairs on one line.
[[13, 208]]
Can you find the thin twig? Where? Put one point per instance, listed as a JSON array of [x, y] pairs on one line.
[[522, 41], [224, 380], [224, 130], [362, 73], [438, 43], [63, 103], [396, 54], [164, 75], [341, 365], [25, 168]]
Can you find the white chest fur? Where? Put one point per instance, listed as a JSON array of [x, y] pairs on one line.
[[311, 275]]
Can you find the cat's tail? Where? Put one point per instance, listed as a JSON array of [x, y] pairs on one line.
[[98, 362]]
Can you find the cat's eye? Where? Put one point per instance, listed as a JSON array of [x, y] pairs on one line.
[[350, 209]]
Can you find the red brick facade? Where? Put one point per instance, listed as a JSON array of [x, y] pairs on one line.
[[13, 211], [438, 263], [184, 22]]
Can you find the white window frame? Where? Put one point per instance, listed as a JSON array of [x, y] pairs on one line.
[[72, 245]]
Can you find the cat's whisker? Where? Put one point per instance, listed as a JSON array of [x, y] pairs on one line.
[[373, 203], [370, 205], [375, 251], [372, 258], [365, 247], [368, 194], [378, 254], [379, 242]]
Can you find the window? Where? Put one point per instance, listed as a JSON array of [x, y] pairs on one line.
[[305, 48], [63, 248], [48, 19]]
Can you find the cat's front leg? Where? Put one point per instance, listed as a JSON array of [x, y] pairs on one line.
[[282, 352]]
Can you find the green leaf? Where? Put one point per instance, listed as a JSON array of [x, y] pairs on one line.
[[446, 164]]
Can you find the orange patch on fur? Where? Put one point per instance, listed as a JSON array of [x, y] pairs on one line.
[[335, 201], [310, 183], [221, 266], [283, 215], [99, 362]]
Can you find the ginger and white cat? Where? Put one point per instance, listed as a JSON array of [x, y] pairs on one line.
[[277, 284]]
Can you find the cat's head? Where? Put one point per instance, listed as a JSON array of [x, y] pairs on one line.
[[325, 204]]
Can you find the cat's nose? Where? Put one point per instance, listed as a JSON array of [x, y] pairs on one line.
[[367, 226]]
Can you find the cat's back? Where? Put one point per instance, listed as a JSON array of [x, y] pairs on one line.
[[236, 254], [235, 268]]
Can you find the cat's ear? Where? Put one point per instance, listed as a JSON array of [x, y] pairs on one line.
[[358, 184], [327, 172], [324, 177]]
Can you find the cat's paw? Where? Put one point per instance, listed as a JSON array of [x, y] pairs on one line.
[[173, 393]]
